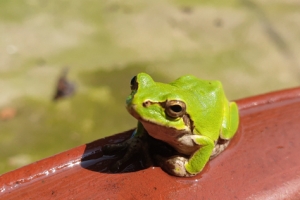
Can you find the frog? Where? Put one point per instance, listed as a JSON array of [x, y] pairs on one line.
[[191, 115]]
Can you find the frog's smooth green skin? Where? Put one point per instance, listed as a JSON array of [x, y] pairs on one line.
[[191, 115]]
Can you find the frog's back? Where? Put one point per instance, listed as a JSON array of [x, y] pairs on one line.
[[198, 86]]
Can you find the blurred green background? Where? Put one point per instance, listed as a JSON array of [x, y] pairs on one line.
[[252, 46]]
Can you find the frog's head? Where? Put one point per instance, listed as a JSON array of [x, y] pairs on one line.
[[157, 105]]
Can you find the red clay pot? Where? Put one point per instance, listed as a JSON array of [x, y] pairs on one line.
[[261, 162]]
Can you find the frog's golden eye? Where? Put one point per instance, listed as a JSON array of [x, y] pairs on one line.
[[175, 108], [133, 83]]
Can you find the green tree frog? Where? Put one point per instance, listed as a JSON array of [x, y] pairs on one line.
[[191, 115]]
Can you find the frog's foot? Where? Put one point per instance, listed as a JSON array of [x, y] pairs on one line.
[[132, 147], [174, 165], [219, 147]]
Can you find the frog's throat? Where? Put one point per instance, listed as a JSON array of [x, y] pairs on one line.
[[172, 136]]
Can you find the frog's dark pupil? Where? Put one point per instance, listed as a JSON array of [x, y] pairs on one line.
[[176, 108], [133, 81]]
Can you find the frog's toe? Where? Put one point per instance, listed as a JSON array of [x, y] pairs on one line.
[[111, 148], [174, 165], [131, 147], [116, 166]]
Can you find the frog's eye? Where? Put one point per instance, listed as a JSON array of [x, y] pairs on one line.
[[175, 108], [133, 83]]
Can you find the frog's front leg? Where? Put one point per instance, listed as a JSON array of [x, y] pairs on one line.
[[137, 144], [183, 166]]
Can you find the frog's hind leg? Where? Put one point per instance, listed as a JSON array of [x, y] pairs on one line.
[[230, 121], [228, 129], [219, 147]]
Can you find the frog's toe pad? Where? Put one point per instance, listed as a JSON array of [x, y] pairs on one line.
[[175, 166]]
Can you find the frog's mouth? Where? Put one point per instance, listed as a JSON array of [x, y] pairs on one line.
[[132, 110]]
